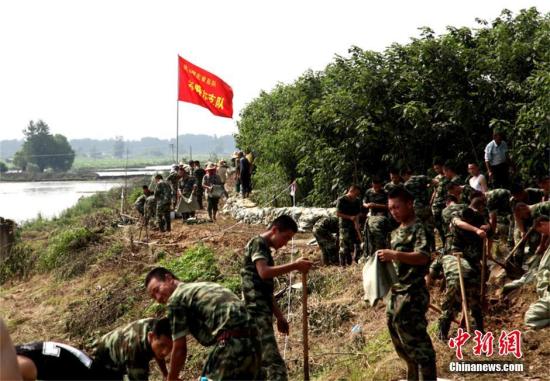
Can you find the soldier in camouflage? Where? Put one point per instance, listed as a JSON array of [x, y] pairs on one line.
[[139, 204], [216, 318], [348, 209], [257, 276], [452, 209], [163, 197], [438, 197], [537, 315], [199, 173], [212, 185], [524, 216], [409, 297], [325, 232], [395, 180], [173, 179], [378, 225], [377, 233], [129, 349], [469, 229], [419, 186], [150, 208], [187, 188], [376, 199], [529, 196], [500, 215], [452, 301]]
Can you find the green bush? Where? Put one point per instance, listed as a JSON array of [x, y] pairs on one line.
[[62, 246], [195, 264], [134, 194], [199, 264]]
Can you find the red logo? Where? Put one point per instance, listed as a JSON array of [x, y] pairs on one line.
[[508, 343]]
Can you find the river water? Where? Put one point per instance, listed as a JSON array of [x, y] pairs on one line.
[[21, 201]]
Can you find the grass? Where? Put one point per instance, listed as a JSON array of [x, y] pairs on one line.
[[62, 247], [18, 264]]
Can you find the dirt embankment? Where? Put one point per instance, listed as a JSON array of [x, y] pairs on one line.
[[108, 292]]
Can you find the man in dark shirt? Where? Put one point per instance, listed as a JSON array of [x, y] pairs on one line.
[[348, 208], [245, 175], [199, 174], [49, 360]]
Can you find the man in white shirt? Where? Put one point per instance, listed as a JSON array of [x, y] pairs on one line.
[[476, 180], [496, 161]]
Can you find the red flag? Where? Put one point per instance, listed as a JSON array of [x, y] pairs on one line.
[[202, 88]]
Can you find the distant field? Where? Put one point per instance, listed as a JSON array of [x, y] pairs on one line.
[[111, 162]]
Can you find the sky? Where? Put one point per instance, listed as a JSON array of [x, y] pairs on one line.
[[99, 69]]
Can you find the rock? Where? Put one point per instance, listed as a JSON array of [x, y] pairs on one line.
[[248, 212]]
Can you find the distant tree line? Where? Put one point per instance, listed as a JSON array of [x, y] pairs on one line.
[[438, 96]]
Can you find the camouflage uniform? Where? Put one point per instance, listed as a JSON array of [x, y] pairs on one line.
[[534, 196], [207, 311], [199, 174], [173, 179], [258, 296], [323, 231], [163, 196], [408, 303], [140, 204], [471, 245], [418, 186], [498, 203], [378, 198], [447, 215], [150, 208], [377, 234], [348, 235], [390, 186], [439, 204], [452, 302], [186, 185], [467, 191], [538, 315], [526, 252], [212, 181], [125, 350]]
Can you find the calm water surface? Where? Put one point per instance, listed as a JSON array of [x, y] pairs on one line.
[[21, 201]]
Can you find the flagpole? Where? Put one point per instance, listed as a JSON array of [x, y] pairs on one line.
[[178, 116], [177, 129]]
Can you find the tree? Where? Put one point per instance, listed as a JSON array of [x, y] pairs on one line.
[[43, 150], [63, 158], [3, 167], [118, 148]]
